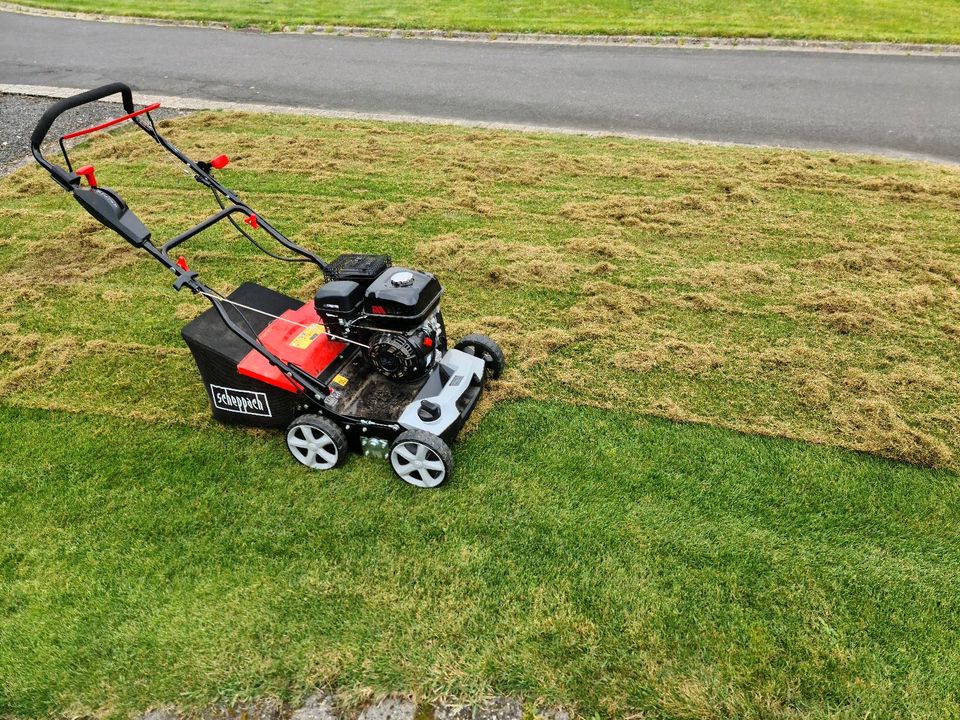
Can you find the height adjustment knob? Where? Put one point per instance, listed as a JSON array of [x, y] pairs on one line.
[[87, 172]]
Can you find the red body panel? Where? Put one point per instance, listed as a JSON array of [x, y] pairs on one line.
[[306, 347]]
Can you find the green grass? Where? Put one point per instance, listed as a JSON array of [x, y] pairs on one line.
[[586, 553], [934, 21], [610, 562]]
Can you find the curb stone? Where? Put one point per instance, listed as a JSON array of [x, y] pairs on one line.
[[185, 104]]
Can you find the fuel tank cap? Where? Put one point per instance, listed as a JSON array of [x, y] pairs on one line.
[[404, 278]]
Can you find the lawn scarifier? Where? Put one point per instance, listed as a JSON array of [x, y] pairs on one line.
[[365, 366]]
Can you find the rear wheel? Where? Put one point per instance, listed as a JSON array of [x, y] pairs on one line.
[[317, 442], [486, 349], [421, 459]]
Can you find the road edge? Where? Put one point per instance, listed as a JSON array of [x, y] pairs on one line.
[[176, 102], [686, 42]]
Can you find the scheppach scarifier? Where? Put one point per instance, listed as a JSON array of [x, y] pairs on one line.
[[364, 366]]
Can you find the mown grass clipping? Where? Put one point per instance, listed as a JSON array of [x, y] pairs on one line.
[[785, 293]]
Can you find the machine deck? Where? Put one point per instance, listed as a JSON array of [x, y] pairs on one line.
[[360, 391]]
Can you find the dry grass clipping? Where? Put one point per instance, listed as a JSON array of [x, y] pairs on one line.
[[876, 426], [498, 263], [779, 292]]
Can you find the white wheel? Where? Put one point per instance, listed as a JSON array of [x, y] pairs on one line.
[[421, 459], [317, 442]]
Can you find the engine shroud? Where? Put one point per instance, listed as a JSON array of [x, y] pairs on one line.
[[394, 313], [338, 302]]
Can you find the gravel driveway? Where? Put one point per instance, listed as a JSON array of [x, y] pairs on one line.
[[19, 115]]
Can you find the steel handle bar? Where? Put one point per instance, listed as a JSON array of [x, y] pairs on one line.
[[68, 103]]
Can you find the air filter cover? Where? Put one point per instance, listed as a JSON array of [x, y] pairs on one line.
[[360, 269]]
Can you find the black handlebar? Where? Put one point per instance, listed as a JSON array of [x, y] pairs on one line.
[[60, 107], [109, 209]]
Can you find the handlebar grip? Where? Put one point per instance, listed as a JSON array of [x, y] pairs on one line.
[[61, 106]]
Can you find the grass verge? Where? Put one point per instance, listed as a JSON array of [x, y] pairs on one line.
[[583, 555], [609, 562], [934, 21]]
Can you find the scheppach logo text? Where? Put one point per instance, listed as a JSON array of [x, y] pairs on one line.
[[240, 401]]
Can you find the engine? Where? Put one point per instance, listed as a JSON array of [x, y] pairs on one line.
[[393, 311]]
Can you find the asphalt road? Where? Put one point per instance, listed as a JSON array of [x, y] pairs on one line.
[[896, 105]]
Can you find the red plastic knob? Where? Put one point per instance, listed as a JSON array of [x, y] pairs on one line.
[[220, 162], [87, 172]]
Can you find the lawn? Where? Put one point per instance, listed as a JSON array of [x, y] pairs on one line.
[[936, 21], [588, 552]]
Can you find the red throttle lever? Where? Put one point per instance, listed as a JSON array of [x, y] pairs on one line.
[[87, 172], [218, 163]]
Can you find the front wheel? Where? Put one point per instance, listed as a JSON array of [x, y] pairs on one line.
[[486, 349], [317, 442], [421, 459]]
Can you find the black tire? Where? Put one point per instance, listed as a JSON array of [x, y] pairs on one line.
[[487, 349], [430, 451], [317, 442], [442, 335]]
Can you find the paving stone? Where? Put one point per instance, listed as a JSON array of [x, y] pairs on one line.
[[256, 710], [552, 714], [161, 714], [500, 708], [452, 710], [390, 709], [323, 706], [319, 706]]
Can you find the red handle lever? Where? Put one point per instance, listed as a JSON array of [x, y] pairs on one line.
[[220, 162], [87, 172]]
